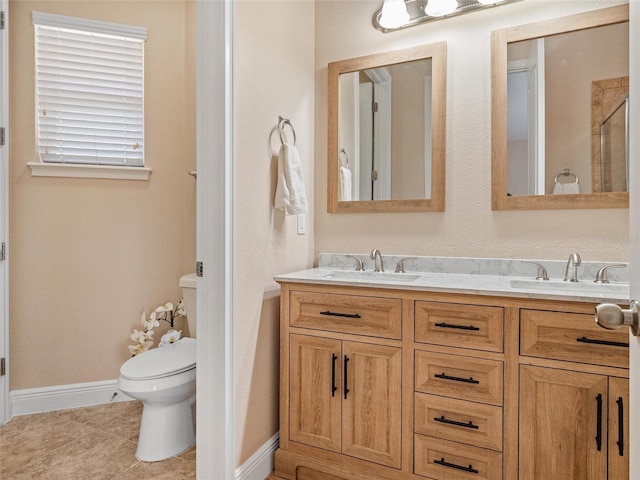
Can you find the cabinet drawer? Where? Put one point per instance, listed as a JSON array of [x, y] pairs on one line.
[[471, 423], [374, 316], [572, 336], [443, 460], [458, 325], [459, 377]]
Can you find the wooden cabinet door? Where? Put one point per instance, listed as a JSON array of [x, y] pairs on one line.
[[562, 416], [314, 394], [618, 428], [372, 403]]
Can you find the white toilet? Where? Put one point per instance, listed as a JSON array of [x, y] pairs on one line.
[[164, 380]]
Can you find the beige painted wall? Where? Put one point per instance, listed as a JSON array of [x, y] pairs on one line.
[[88, 255], [274, 76], [468, 227]]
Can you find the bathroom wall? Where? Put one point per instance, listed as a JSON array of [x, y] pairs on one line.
[[468, 227], [274, 75], [88, 255]]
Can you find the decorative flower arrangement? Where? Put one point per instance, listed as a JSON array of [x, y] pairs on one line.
[[144, 338]]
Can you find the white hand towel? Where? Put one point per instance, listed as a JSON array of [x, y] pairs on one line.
[[290, 194], [566, 188], [345, 184]]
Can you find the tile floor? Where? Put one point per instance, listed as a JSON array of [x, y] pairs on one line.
[[92, 443]]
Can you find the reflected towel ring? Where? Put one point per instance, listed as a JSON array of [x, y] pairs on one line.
[[567, 173], [281, 124], [346, 157]]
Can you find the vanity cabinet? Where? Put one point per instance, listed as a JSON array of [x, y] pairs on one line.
[[573, 423], [345, 397], [570, 425], [397, 384]]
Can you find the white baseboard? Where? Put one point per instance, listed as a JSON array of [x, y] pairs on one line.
[[62, 397], [260, 465]]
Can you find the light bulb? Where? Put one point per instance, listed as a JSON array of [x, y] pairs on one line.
[[438, 8], [394, 14]]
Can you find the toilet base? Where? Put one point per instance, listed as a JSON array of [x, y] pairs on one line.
[[165, 430]]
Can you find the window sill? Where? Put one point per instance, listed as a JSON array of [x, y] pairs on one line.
[[40, 169]]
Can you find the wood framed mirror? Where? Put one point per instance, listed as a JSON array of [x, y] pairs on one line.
[[559, 132], [386, 132]]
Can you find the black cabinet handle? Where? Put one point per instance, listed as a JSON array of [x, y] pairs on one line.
[[442, 419], [338, 314], [443, 376], [346, 390], [334, 357], [602, 342], [620, 441], [599, 422], [469, 469], [459, 327]]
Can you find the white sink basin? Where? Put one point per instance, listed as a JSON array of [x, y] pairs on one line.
[[585, 286], [372, 276]]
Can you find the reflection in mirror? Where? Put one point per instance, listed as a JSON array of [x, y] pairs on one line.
[[385, 124], [386, 132], [559, 112]]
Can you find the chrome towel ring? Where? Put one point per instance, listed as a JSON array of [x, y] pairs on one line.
[[282, 122], [567, 173]]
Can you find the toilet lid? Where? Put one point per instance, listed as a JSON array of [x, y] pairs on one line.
[[162, 361]]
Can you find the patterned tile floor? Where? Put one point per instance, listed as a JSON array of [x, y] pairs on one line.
[[92, 443]]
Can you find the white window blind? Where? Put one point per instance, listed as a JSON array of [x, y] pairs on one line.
[[89, 91]]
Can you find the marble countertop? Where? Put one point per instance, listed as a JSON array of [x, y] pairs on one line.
[[484, 278]]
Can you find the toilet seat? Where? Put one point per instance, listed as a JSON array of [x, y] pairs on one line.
[[161, 362]]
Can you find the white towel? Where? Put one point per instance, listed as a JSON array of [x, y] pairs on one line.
[[345, 184], [566, 188], [290, 195]]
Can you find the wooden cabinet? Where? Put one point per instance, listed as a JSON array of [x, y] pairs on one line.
[[573, 423], [345, 396], [398, 384]]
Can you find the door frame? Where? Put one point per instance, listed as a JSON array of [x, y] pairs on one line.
[[214, 240], [4, 214], [634, 230]]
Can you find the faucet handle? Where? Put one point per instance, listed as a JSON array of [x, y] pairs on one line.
[[542, 272], [601, 276], [359, 263], [400, 265]]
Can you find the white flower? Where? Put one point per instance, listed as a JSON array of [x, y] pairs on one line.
[[170, 337], [168, 307], [139, 348], [152, 322], [180, 311], [139, 336]]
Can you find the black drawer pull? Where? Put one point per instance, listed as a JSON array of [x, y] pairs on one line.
[[456, 379], [602, 342], [599, 422], [338, 314], [334, 357], [442, 419], [459, 327], [620, 441], [346, 390], [469, 469]]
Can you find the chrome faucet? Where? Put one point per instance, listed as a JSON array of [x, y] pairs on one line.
[[377, 260], [571, 273]]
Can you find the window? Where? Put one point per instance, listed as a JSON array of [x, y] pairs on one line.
[[89, 92]]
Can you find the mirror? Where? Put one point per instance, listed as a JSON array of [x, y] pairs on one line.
[[387, 132], [559, 115]]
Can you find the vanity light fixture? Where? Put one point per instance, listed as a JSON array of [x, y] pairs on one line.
[[416, 12]]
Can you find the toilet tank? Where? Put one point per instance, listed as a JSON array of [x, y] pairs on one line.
[[188, 285]]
